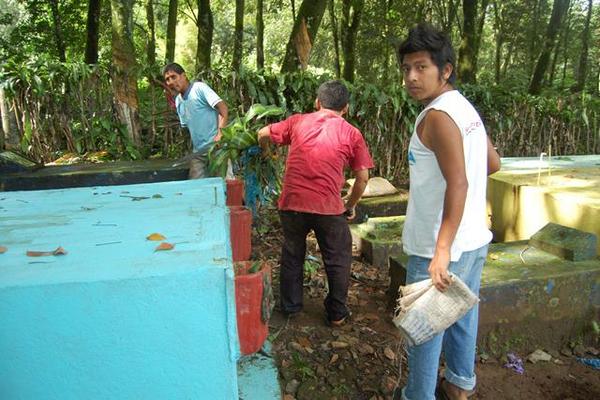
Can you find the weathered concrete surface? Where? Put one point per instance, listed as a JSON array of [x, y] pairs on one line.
[[524, 198], [11, 162], [532, 299], [378, 239], [258, 377], [564, 242], [529, 298], [381, 206], [98, 174]]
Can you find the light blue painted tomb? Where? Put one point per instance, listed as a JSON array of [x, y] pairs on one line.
[[113, 318]]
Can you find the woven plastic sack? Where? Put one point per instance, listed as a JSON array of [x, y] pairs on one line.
[[423, 311]]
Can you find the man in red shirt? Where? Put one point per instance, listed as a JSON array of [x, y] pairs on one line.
[[321, 144]]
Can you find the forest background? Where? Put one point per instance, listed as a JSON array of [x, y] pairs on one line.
[[85, 76]]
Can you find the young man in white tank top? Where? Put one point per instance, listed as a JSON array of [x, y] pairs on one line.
[[450, 156]]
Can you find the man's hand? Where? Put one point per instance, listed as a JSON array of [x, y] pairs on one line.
[[218, 136], [438, 270], [350, 213]]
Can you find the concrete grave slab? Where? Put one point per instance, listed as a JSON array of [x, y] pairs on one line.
[[529, 298]]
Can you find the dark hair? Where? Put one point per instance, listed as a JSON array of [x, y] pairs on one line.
[[174, 67], [333, 95], [425, 37]]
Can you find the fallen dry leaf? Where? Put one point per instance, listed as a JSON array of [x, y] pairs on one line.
[[334, 358], [157, 237], [164, 246], [3, 249], [389, 353], [59, 251]]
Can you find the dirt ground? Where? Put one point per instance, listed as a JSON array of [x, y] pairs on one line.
[[364, 359]]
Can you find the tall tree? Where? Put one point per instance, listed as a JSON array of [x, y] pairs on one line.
[[171, 28], [205, 34], [336, 40], [260, 33], [151, 44], [468, 44], [585, 46], [238, 35], [92, 27], [57, 30], [124, 78], [304, 32], [351, 14], [558, 11]]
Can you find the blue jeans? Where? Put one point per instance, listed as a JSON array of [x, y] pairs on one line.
[[458, 341]]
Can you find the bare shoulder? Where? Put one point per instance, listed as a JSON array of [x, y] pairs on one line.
[[439, 129]]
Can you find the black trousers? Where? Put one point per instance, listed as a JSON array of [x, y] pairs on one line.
[[335, 243]]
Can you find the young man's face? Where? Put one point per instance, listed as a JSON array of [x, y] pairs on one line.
[[422, 77], [177, 82]]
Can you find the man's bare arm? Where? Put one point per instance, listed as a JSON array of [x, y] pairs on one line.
[[223, 111], [360, 183], [493, 158], [446, 142]]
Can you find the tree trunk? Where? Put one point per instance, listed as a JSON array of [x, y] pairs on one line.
[[452, 9], [124, 78], [351, 13], [93, 27], [151, 45], [468, 44], [558, 10], [238, 36], [293, 3], [585, 40], [260, 34], [205, 34], [171, 28], [499, 33], [303, 35], [57, 28], [336, 40], [5, 125]]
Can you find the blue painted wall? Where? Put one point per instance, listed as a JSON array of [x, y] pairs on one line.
[[117, 320]]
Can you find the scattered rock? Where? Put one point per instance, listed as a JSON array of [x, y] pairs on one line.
[[558, 361], [593, 351], [579, 350], [389, 353], [539, 355], [365, 348], [387, 385], [321, 372], [296, 347], [565, 351], [292, 386], [339, 345]]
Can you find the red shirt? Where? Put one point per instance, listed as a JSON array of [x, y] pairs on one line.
[[321, 145]]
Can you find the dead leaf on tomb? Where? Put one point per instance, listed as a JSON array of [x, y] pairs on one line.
[[156, 237], [59, 251], [3, 249], [164, 246]]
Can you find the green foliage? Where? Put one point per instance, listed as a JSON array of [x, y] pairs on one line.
[[301, 367], [240, 135]]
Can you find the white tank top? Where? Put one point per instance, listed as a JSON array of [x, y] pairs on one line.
[[428, 186]]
